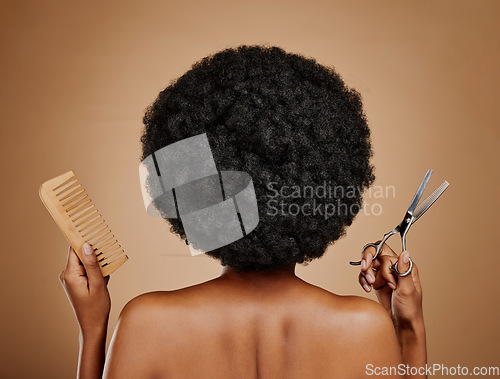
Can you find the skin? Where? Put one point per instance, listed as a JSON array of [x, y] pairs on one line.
[[250, 325]]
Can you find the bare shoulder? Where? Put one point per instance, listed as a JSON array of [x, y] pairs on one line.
[[369, 317], [135, 347], [365, 309], [349, 303], [362, 328], [149, 302], [143, 310], [145, 302]]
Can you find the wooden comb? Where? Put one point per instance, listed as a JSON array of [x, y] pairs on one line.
[[79, 220]]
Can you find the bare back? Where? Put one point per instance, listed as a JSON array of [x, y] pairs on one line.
[[251, 328]]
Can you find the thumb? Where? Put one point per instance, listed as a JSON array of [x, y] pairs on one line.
[[405, 283], [91, 265]]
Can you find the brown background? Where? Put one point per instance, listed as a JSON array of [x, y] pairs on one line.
[[77, 78]]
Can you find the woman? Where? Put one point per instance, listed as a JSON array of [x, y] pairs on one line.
[[291, 124]]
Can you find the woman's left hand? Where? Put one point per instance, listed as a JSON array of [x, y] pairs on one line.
[[87, 291], [400, 296]]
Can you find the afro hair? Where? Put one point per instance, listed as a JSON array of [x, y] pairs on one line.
[[288, 122]]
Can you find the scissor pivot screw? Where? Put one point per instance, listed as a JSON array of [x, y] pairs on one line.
[[408, 219]]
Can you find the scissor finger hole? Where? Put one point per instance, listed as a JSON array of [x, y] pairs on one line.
[[395, 268]]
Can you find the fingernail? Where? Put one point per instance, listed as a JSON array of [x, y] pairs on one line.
[[363, 264], [391, 285], [406, 257], [370, 278], [366, 287], [87, 249]]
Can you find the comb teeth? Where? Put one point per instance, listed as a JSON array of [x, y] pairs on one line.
[[105, 246], [72, 196], [68, 191], [87, 221], [90, 230], [110, 253], [102, 243], [72, 205], [68, 182], [76, 212], [79, 220], [98, 238], [96, 233], [83, 216]]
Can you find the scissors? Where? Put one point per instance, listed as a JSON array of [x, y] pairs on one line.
[[413, 213]]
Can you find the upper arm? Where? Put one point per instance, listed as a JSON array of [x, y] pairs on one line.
[[129, 354], [380, 347]]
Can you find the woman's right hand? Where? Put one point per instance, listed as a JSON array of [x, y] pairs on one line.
[[400, 296]]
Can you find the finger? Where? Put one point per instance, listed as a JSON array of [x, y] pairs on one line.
[[416, 278], [384, 295], [371, 275], [73, 264], [385, 273], [367, 256], [387, 251], [364, 283], [405, 283], [73, 259], [67, 258], [367, 264], [376, 264], [92, 267]]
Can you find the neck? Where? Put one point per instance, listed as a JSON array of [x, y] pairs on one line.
[[281, 273]]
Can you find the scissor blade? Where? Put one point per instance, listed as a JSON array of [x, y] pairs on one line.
[[419, 192], [426, 204]]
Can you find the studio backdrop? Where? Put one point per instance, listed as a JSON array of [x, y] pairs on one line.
[[76, 78]]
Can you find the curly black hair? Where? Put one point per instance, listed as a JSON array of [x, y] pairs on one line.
[[288, 122]]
